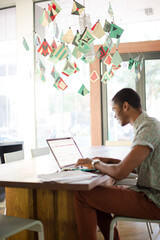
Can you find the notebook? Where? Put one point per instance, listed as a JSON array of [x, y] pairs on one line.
[[65, 152]]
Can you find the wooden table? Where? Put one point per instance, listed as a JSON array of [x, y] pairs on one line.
[[52, 203]]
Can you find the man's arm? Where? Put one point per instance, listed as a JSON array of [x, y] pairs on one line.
[[122, 169], [108, 160]]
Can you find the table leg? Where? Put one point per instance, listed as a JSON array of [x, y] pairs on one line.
[[54, 208], [19, 203]]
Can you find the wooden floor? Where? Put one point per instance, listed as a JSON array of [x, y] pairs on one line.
[[135, 231], [127, 230]]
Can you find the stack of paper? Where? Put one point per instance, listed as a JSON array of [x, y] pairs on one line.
[[67, 176]]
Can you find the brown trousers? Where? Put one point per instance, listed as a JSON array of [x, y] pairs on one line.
[[95, 207]]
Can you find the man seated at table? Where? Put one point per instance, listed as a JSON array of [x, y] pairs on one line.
[[143, 200]]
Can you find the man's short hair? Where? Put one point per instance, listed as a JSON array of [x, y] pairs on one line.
[[127, 95]]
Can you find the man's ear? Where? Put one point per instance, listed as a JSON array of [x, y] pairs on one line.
[[125, 106]]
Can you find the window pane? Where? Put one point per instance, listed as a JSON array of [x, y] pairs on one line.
[[60, 113], [123, 78], [152, 76], [8, 81]]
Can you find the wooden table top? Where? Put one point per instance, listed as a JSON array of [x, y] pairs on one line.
[[24, 173]]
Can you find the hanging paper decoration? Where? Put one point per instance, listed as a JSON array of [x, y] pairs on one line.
[[83, 90], [116, 31], [117, 42], [76, 67], [76, 38], [102, 52], [52, 58], [54, 73], [61, 52], [76, 53], [68, 36], [61, 84], [109, 43], [94, 76], [25, 44], [107, 76], [116, 59], [77, 8], [84, 59], [55, 6], [84, 47], [107, 26], [68, 68], [107, 60], [98, 30], [110, 11], [56, 30], [41, 66], [45, 48], [45, 18], [42, 76], [115, 67], [85, 40], [37, 39], [87, 36], [130, 64], [61, 37], [54, 44], [53, 9]]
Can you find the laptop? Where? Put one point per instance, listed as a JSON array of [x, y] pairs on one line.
[[65, 152]]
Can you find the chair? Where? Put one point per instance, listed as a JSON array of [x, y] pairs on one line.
[[40, 151], [131, 219], [11, 225], [13, 156]]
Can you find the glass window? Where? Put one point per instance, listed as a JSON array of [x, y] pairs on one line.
[[123, 78], [152, 77], [8, 81], [60, 113]]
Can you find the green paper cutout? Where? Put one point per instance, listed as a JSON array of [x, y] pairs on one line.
[[110, 10], [83, 47], [130, 64], [25, 44], [76, 39], [77, 8], [53, 59], [68, 68], [87, 36], [107, 26], [83, 90], [76, 53], [116, 59], [41, 65], [116, 31]]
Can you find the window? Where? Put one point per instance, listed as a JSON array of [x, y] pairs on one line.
[[8, 81], [60, 113], [152, 75], [148, 87]]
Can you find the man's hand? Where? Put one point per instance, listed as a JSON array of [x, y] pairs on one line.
[[86, 162]]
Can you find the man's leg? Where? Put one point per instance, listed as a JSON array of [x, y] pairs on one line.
[[111, 199]]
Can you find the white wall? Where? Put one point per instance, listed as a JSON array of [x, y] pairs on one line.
[[25, 63]]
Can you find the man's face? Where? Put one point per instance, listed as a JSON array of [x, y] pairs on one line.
[[120, 114]]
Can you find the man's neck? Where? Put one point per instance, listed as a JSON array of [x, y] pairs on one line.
[[134, 115]]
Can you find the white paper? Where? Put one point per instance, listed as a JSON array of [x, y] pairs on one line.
[[67, 176]]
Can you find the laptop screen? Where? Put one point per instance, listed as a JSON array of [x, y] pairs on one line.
[[65, 151]]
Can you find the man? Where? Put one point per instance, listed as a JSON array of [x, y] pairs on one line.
[[143, 200]]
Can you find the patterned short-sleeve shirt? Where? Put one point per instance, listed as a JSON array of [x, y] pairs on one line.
[[147, 133]]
